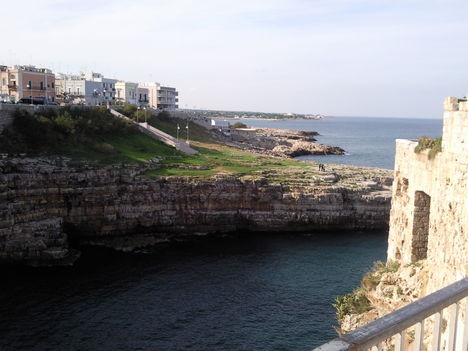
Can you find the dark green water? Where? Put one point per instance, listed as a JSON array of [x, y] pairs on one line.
[[250, 293]]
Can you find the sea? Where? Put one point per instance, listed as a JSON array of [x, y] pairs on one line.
[[367, 141], [248, 292]]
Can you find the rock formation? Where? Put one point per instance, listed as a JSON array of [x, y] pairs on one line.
[[279, 142], [428, 237], [48, 204]]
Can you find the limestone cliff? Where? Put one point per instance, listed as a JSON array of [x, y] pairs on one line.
[[428, 238], [46, 204]]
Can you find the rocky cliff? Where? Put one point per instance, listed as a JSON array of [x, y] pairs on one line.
[[278, 142], [428, 236], [49, 205]]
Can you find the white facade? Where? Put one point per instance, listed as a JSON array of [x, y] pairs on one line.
[[161, 97], [87, 88], [127, 92]]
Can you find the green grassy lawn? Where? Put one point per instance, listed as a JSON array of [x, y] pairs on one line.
[[94, 134], [130, 148], [213, 157]]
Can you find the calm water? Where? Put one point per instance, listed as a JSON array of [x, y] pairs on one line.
[[251, 293], [368, 141]]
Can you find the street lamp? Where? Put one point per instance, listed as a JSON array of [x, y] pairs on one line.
[[146, 114], [30, 92]]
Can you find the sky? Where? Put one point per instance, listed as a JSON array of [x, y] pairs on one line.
[[396, 58]]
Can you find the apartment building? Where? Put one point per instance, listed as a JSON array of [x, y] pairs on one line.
[[76, 89], [161, 97], [143, 96], [18, 82], [108, 86], [168, 98], [127, 92], [89, 88]]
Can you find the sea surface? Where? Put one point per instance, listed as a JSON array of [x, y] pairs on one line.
[[271, 292], [368, 141]]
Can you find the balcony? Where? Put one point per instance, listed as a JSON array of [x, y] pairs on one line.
[[395, 326], [12, 86]]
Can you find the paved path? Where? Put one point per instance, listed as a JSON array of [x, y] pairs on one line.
[[158, 134]]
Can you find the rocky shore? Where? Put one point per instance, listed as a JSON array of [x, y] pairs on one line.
[[49, 207], [279, 142]]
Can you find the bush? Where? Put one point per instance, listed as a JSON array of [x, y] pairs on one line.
[[372, 278], [354, 303], [238, 125], [104, 148], [435, 146], [46, 129]]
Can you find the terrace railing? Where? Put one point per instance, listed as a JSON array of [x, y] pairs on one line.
[[394, 325]]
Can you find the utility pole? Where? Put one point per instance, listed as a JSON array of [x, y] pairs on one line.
[[178, 127]]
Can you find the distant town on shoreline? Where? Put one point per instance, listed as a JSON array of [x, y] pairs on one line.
[[28, 84]]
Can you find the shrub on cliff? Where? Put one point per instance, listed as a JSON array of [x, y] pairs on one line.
[[434, 146], [353, 303], [46, 129], [238, 125]]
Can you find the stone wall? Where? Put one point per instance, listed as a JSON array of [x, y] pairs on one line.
[[430, 202], [119, 207], [428, 234]]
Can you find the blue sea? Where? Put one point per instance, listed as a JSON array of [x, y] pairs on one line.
[[252, 292], [367, 141]]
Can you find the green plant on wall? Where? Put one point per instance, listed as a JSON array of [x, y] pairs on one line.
[[434, 146]]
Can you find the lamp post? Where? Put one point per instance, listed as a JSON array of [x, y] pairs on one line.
[[146, 114], [30, 92], [187, 133]]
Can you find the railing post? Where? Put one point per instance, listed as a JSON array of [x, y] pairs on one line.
[[452, 338], [465, 328], [419, 336], [437, 331], [400, 341]]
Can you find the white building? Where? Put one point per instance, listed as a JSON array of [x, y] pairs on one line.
[[108, 86], [87, 88], [161, 97], [127, 92]]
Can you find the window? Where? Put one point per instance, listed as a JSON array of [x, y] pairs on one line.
[[29, 85], [3, 81], [41, 84], [53, 85]]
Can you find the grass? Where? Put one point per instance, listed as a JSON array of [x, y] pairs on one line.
[[93, 134]]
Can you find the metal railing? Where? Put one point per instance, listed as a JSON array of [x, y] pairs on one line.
[[394, 325]]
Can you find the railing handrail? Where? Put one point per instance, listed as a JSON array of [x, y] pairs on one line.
[[393, 323]]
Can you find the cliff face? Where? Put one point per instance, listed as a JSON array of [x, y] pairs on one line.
[[428, 237], [46, 204]]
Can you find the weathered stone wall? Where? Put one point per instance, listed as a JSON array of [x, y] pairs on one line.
[[444, 180], [428, 224], [117, 206]]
